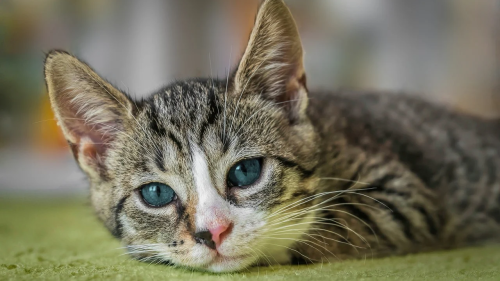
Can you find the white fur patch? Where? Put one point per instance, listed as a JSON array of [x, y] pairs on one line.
[[211, 208], [252, 236]]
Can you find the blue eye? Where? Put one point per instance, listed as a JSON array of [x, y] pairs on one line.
[[157, 194], [245, 172]]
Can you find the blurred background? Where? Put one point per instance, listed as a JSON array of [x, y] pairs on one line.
[[447, 51]]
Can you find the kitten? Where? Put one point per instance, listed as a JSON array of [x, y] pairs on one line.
[[221, 176]]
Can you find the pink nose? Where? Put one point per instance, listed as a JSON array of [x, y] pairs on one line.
[[219, 233]]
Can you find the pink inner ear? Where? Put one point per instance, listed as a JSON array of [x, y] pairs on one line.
[[88, 148], [93, 147], [91, 140]]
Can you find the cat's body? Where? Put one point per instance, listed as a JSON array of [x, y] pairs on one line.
[[434, 172], [220, 175]]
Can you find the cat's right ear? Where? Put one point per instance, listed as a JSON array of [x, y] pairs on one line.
[[91, 112], [272, 64]]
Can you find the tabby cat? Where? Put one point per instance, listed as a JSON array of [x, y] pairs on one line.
[[255, 169]]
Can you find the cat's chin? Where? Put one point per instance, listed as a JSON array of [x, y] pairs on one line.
[[228, 264]]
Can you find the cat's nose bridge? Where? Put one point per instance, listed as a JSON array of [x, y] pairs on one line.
[[211, 210], [210, 217]]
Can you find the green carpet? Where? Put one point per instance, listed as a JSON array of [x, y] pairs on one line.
[[62, 240]]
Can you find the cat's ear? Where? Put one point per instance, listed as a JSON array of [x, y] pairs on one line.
[[272, 64], [90, 111]]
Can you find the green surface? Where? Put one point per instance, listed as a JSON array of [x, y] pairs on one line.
[[63, 241]]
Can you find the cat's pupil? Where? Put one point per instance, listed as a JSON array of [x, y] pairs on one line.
[[243, 169], [157, 194], [245, 172]]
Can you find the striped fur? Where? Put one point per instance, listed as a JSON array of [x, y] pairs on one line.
[[345, 174]]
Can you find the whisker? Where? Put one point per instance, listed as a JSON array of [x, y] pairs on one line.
[[306, 243], [290, 250], [367, 196], [313, 197], [300, 202], [265, 256], [298, 231], [345, 180], [322, 221], [225, 93], [295, 215]]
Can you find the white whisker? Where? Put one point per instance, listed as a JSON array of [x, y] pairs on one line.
[[225, 93]]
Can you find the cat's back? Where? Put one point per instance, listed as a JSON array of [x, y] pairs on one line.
[[455, 154]]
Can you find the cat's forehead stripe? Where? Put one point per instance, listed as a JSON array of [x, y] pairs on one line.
[[195, 103], [207, 194]]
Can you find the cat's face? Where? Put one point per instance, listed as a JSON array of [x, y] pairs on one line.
[[204, 173], [231, 164]]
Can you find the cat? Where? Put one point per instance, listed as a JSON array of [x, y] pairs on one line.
[[255, 170]]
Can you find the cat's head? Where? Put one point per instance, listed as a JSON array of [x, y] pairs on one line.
[[204, 173]]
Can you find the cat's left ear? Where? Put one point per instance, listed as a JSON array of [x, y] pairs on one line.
[[91, 112], [272, 64]]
